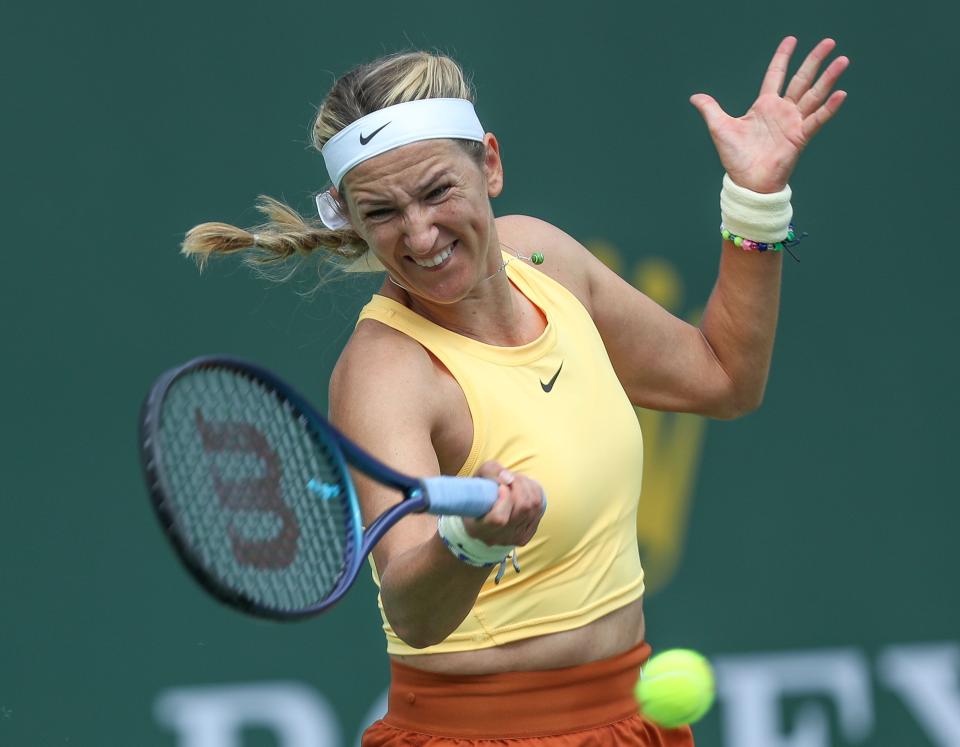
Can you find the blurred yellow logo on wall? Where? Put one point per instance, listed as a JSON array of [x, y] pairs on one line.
[[673, 442]]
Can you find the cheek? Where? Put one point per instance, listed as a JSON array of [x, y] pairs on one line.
[[463, 210], [380, 234]]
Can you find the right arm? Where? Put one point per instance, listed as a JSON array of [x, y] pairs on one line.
[[383, 395]]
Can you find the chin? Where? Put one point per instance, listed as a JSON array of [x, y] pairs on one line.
[[444, 295], [447, 286]]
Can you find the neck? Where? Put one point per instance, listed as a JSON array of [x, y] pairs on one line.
[[493, 312]]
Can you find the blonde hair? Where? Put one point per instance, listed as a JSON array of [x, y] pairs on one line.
[[285, 234]]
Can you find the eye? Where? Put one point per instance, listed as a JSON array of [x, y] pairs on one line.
[[378, 214], [438, 192]]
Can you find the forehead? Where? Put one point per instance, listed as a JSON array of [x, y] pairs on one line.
[[405, 168]]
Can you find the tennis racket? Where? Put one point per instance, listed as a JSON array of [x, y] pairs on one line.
[[251, 486]]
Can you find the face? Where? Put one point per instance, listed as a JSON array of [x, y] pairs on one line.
[[424, 210]]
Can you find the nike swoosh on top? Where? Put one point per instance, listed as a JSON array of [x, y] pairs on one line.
[[548, 386], [368, 138]]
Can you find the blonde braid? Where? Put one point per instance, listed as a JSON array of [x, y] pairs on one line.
[[285, 234]]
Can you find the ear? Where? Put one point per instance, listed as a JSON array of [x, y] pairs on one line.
[[492, 166], [344, 205], [335, 193]]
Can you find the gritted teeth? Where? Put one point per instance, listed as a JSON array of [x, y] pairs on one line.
[[436, 259]]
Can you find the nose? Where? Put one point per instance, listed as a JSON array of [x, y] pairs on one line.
[[420, 233]]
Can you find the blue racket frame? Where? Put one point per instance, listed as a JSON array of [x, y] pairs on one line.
[[466, 496]]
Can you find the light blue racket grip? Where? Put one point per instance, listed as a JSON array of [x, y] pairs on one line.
[[459, 496]]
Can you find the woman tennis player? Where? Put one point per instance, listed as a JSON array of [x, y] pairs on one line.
[[500, 347]]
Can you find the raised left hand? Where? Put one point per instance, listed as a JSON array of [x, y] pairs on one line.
[[760, 149]]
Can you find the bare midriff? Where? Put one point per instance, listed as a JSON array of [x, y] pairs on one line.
[[608, 636]]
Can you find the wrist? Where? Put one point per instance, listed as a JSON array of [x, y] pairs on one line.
[[760, 186], [758, 216], [761, 181], [749, 245], [469, 549]]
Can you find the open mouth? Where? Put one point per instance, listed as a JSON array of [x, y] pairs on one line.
[[437, 259]]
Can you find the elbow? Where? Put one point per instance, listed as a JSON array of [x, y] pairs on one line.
[[419, 636], [735, 405], [417, 643], [746, 405], [418, 631], [734, 411]]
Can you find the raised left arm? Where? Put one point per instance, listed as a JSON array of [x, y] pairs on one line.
[[721, 368]]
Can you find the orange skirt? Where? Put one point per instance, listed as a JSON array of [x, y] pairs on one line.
[[591, 704]]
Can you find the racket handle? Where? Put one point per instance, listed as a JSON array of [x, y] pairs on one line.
[[459, 496]]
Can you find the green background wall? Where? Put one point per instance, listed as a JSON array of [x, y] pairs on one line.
[[822, 531]]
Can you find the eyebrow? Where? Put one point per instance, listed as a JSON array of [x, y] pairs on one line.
[[432, 180], [375, 202]]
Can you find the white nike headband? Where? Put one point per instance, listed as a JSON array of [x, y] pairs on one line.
[[400, 124]]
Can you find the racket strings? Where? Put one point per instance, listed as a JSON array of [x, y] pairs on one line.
[[336, 524], [297, 440], [238, 458]]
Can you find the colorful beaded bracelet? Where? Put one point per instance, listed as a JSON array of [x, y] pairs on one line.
[[760, 246], [792, 239]]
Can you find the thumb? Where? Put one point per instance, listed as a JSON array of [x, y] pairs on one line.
[[709, 109], [491, 470]]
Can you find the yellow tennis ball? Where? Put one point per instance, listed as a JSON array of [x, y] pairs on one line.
[[676, 687]]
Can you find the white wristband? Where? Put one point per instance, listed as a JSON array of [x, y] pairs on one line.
[[753, 215], [469, 549]]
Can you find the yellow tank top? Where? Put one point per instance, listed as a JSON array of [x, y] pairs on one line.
[[552, 409]]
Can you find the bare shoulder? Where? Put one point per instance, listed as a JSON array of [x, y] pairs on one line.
[[380, 398], [379, 373], [565, 259]]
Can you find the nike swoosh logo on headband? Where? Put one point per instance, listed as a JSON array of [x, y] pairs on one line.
[[372, 135], [547, 387]]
